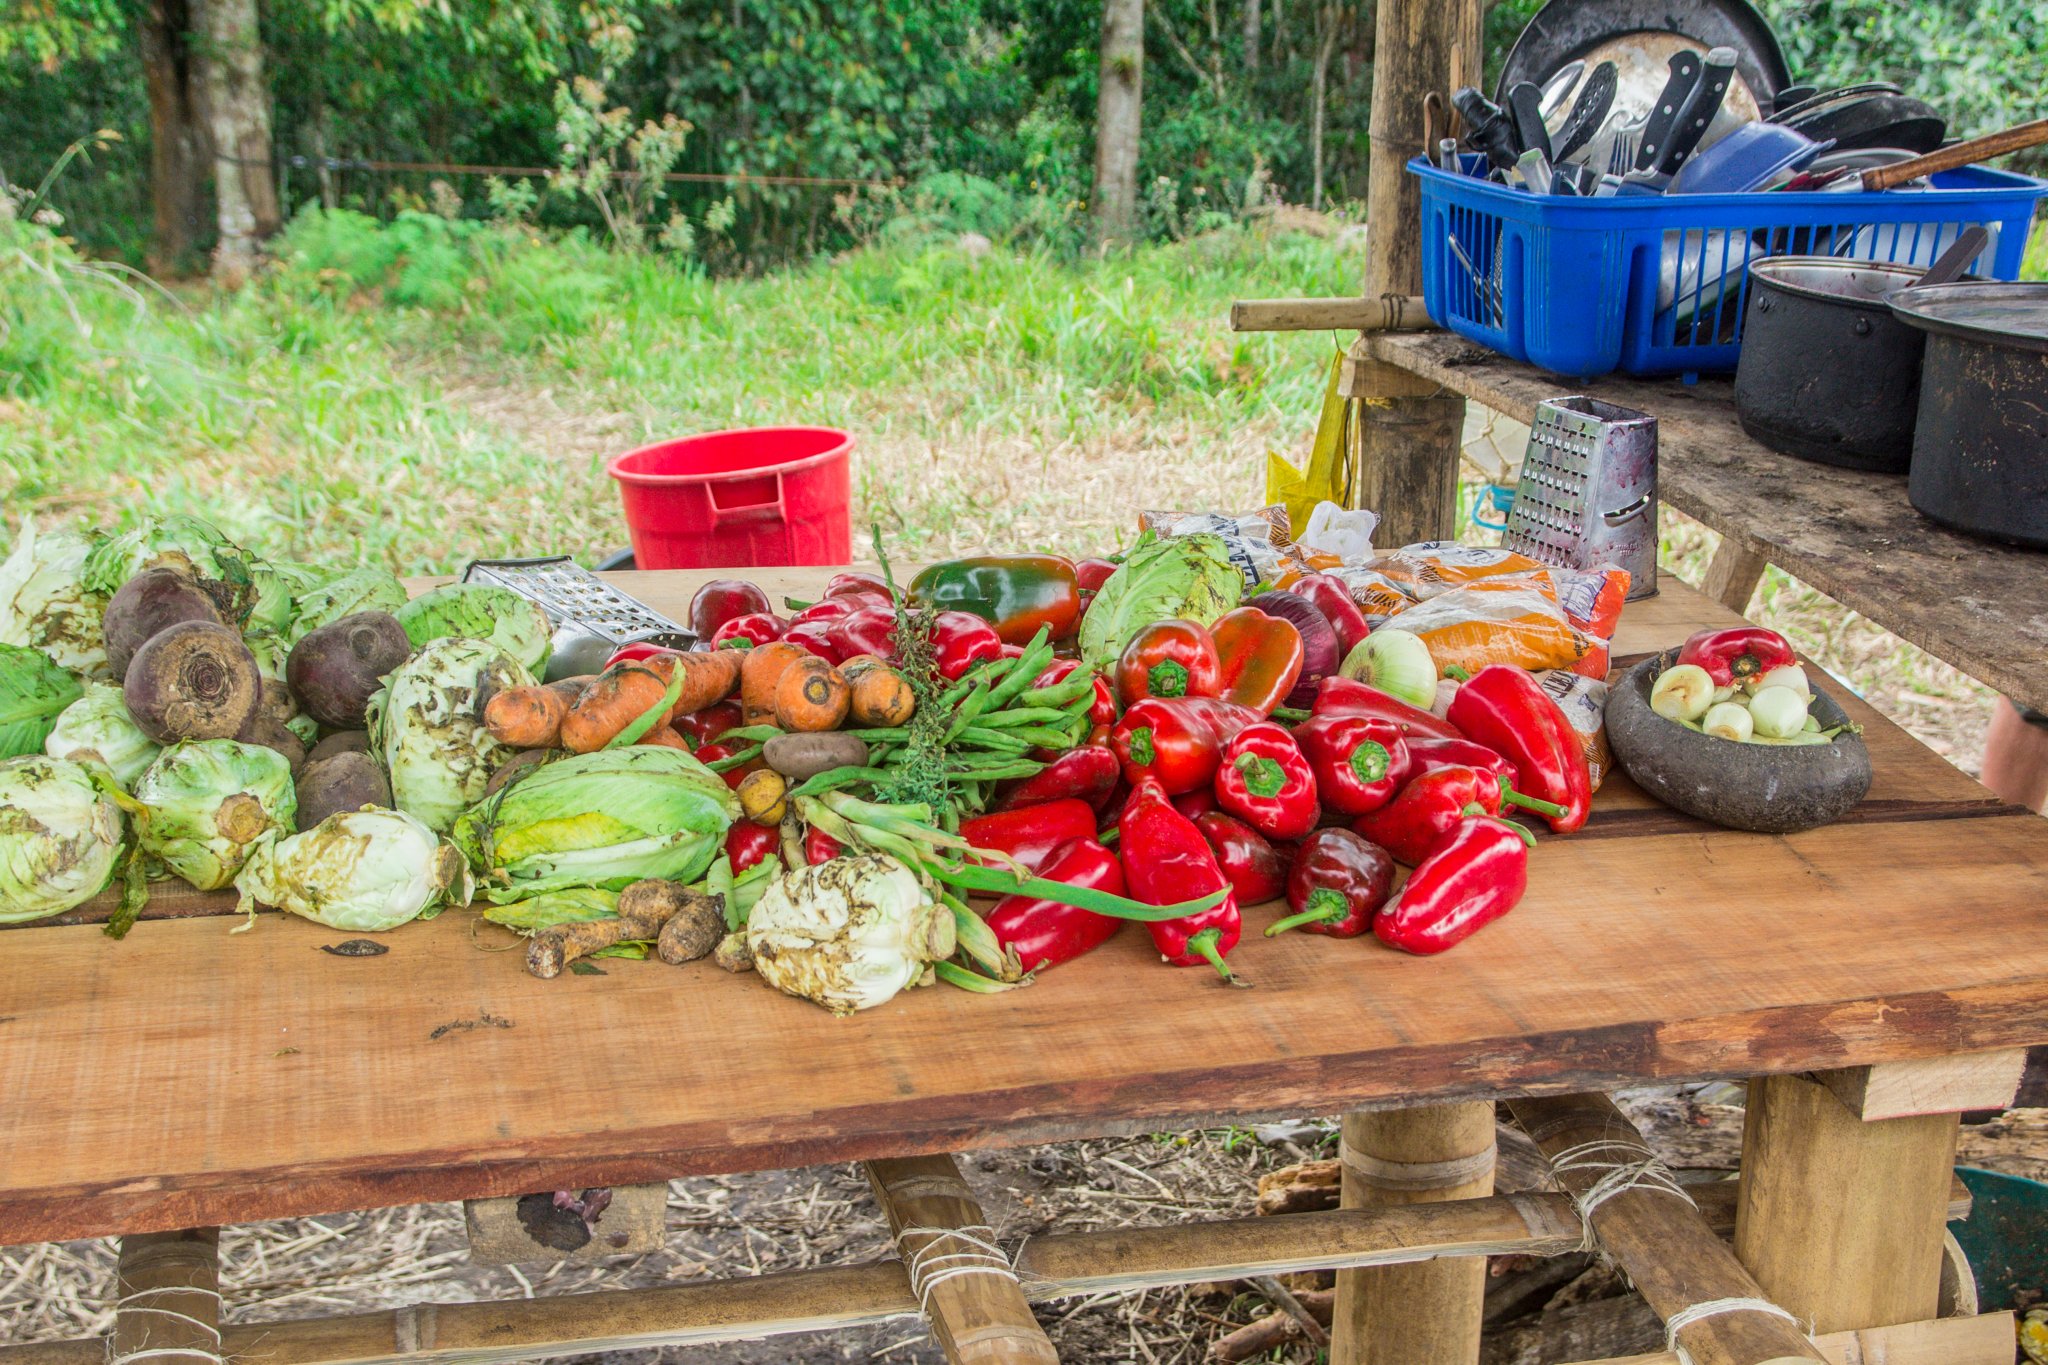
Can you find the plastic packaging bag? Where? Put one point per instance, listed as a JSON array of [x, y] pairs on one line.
[[1429, 567], [1258, 542], [1514, 621], [1343, 535], [1584, 703]]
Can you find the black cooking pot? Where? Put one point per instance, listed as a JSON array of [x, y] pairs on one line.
[[1980, 447], [1826, 372]]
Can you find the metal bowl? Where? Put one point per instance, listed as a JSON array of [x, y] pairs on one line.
[[1765, 788]]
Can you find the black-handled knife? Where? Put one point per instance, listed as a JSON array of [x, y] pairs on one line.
[[1686, 67], [1716, 76]]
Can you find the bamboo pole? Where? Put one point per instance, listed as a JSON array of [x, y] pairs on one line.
[[1389, 313], [1985, 1340], [1427, 1313], [1060, 1266], [1657, 1236], [168, 1303], [963, 1283], [1841, 1219]]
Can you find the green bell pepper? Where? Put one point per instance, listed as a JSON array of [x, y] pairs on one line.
[[1017, 594]]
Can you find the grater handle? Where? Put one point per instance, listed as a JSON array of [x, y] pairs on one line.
[[1628, 513]]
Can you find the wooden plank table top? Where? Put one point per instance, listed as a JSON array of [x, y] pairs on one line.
[[1974, 603], [186, 1077]]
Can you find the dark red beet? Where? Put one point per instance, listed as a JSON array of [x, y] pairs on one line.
[[195, 680], [145, 605], [336, 669]]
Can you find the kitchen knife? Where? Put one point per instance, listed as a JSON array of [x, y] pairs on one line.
[[1588, 112], [1686, 67], [1717, 74]]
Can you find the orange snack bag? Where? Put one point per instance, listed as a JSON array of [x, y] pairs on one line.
[[1511, 621], [1430, 567]]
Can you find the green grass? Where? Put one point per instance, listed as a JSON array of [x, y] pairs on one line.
[[418, 394]]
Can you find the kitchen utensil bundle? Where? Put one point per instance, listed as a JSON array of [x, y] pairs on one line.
[[1587, 494], [591, 617]]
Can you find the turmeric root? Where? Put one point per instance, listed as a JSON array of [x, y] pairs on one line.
[[644, 908]]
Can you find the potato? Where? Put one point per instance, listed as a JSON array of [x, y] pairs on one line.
[[797, 757], [340, 782], [335, 670]]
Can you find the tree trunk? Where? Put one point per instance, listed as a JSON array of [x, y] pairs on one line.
[[1318, 101], [1117, 115], [237, 102], [177, 136], [1251, 35]]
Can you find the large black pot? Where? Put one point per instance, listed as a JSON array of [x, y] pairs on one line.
[[1980, 448], [1826, 372]]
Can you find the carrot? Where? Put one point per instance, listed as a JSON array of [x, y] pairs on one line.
[[526, 717], [620, 695], [571, 689], [663, 737], [811, 697], [881, 697], [761, 668], [708, 678]]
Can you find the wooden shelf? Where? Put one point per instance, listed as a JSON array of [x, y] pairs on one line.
[[1978, 605]]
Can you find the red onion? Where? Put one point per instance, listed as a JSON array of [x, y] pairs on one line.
[[1319, 656]]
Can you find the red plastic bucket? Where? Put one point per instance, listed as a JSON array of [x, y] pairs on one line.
[[755, 495]]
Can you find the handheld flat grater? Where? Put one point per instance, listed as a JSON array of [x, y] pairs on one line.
[[591, 617], [1588, 490]]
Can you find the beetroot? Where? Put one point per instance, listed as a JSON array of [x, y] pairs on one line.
[[145, 605], [340, 742], [341, 782], [194, 680], [268, 731], [335, 670], [1319, 653]]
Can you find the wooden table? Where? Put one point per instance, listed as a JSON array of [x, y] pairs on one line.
[[183, 1078]]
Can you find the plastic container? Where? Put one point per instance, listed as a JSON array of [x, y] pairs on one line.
[[1656, 284], [751, 496]]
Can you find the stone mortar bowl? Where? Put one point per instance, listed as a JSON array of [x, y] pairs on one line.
[[1766, 788]]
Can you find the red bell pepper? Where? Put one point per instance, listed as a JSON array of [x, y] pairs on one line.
[[1166, 861], [853, 581], [1091, 574], [1435, 803], [960, 640], [1740, 652], [1359, 761], [1330, 593], [1501, 707], [820, 847], [1101, 711], [818, 637], [635, 652], [1030, 834], [1088, 772], [1169, 659], [1197, 803], [1471, 879], [1017, 594], [755, 628], [1261, 655], [1339, 882], [1256, 870], [870, 630], [1045, 933], [1263, 779], [703, 727], [712, 753], [722, 599], [1426, 754], [747, 843], [1179, 741], [840, 607], [1348, 697]]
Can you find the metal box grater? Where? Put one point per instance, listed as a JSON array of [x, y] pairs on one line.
[[1588, 490], [591, 617]]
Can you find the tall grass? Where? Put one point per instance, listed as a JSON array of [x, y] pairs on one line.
[[418, 393]]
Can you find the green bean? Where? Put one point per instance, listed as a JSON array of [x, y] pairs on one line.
[[738, 760], [1024, 715], [832, 779], [976, 702]]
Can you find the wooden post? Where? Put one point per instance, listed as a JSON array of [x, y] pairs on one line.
[[1732, 575], [1391, 314], [1841, 1219], [168, 1297], [1425, 1312], [979, 1318], [1656, 1235], [1410, 428]]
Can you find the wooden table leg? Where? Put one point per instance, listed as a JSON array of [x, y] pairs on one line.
[[1840, 1218], [168, 1305], [979, 1316], [1424, 1312]]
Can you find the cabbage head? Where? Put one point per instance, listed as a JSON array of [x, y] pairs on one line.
[[44, 603], [33, 693], [205, 803], [605, 819], [98, 729], [426, 727], [480, 611], [344, 595], [1188, 578], [262, 599], [60, 837], [361, 870]]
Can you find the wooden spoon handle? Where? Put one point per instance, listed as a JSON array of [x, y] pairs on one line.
[[1960, 154]]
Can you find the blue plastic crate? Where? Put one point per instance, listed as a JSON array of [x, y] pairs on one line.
[[1655, 284]]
